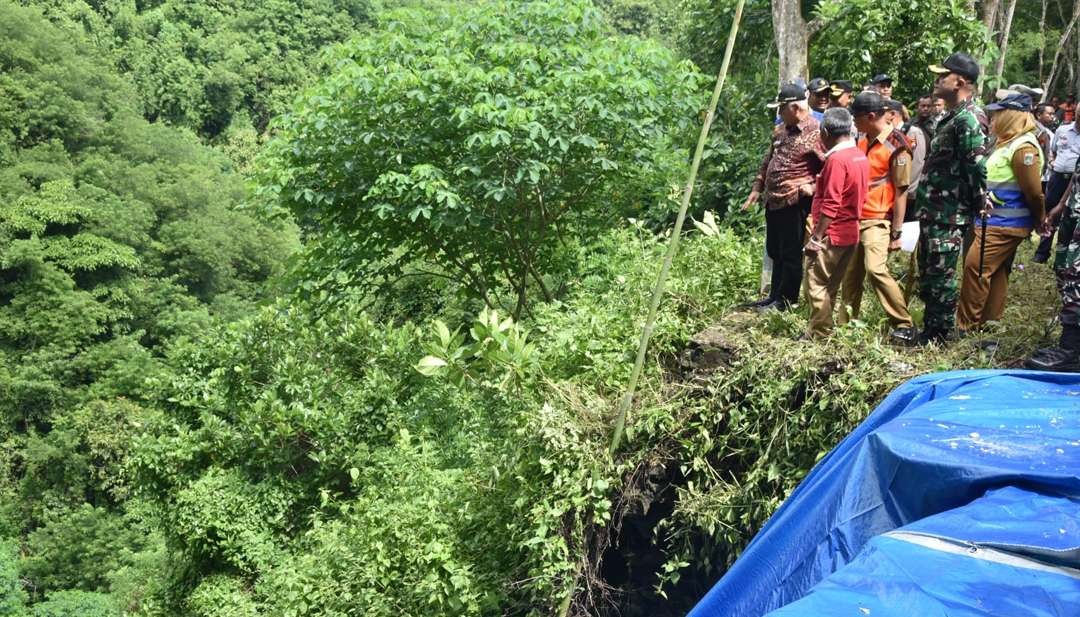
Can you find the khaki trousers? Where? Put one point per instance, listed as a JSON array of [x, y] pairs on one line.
[[824, 272], [982, 296], [871, 261]]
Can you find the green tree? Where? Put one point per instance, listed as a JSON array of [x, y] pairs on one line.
[[76, 604], [863, 38], [12, 593], [118, 239], [206, 65], [480, 140], [78, 550]]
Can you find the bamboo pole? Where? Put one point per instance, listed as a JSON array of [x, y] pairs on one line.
[[673, 243], [661, 279]]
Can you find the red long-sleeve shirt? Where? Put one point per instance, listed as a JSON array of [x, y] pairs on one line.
[[841, 192]]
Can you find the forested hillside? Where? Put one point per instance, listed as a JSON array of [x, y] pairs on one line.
[[319, 308]]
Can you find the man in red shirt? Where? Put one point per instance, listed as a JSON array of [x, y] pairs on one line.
[[838, 199]]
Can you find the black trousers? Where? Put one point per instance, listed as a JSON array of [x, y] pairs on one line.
[[784, 234], [1055, 190]]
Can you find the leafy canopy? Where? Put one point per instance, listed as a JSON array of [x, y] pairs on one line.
[[204, 65], [863, 38], [479, 139], [118, 239]]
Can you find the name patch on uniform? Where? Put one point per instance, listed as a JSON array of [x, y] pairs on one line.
[[1029, 159]]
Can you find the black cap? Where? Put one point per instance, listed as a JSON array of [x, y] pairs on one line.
[[866, 102], [1019, 102], [818, 85], [840, 86], [959, 63], [880, 78], [789, 93]]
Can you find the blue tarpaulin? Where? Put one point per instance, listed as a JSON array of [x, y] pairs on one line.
[[959, 495]]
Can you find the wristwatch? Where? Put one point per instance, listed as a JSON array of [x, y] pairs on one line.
[[895, 235]]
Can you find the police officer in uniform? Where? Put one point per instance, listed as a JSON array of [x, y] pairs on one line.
[[1066, 356], [840, 93], [952, 189], [882, 83], [819, 95]]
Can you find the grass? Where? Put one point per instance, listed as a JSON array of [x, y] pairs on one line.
[[737, 437]]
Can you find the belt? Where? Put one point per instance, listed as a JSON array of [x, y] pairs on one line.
[[1010, 213]]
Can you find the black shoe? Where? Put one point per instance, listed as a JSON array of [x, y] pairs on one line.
[[775, 305], [927, 337], [989, 346], [936, 337], [768, 307], [1057, 359], [1042, 351], [1040, 258], [904, 336], [755, 304]]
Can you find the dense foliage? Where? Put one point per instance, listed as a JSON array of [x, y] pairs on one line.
[[118, 238], [370, 368], [862, 38], [481, 141], [207, 65]]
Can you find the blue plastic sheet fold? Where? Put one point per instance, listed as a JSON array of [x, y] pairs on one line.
[[956, 496]]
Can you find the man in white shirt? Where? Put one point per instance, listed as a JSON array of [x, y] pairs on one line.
[[1064, 152], [1044, 116]]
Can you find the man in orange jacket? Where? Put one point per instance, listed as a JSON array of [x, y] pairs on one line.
[[882, 216]]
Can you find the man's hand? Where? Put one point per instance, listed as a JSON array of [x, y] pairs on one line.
[[1045, 227], [812, 247], [894, 245], [1050, 221], [751, 200], [806, 190]]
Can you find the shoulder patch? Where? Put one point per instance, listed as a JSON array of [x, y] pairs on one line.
[[1029, 159], [901, 161]]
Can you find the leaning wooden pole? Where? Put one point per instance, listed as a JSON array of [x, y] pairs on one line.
[[673, 243], [661, 279]]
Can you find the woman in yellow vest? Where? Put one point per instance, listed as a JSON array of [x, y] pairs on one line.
[[1014, 204]]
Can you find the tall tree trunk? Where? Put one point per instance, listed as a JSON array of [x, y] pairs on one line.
[[792, 39], [989, 16], [1042, 35], [1051, 79], [1075, 84], [1004, 42]]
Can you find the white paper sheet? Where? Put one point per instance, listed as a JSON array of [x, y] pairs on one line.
[[909, 236]]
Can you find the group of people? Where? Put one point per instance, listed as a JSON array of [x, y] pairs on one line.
[[845, 171]]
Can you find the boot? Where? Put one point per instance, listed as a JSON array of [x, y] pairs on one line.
[[1042, 254], [904, 336], [1064, 357], [935, 337]]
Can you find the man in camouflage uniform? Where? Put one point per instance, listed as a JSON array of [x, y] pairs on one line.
[[952, 190], [1066, 356]]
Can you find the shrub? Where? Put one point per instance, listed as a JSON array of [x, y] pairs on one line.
[[12, 594], [76, 604], [478, 138], [78, 549]]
